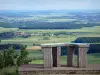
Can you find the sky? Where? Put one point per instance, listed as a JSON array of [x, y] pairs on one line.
[[49, 4]]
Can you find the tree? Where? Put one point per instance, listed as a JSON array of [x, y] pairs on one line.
[[10, 57], [7, 57], [22, 59]]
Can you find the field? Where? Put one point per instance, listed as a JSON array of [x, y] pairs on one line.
[[33, 28], [44, 19], [38, 55], [52, 36]]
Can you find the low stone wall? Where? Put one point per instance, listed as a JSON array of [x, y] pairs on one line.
[[38, 69], [61, 72]]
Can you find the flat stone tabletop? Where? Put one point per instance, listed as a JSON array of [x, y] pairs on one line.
[[65, 44]]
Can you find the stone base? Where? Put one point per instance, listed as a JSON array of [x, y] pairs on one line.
[[39, 70]]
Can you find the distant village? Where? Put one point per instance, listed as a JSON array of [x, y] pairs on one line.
[[5, 35]]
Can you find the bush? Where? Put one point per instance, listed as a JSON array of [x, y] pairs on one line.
[[22, 58], [10, 57]]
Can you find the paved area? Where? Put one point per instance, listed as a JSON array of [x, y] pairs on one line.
[[31, 67], [38, 69]]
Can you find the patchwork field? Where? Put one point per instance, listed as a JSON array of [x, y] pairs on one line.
[[52, 36]]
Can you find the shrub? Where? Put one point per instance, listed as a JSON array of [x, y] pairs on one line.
[[10, 57]]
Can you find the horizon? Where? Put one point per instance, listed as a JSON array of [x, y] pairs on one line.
[[52, 10]]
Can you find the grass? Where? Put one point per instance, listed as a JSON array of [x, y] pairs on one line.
[[37, 62], [9, 71], [91, 58], [7, 29], [82, 32], [38, 55], [35, 55]]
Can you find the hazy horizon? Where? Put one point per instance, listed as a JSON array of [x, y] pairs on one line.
[[49, 4]]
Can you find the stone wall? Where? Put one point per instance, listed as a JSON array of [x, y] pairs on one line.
[[61, 72]]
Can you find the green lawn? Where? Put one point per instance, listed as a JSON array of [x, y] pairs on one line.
[[91, 59]]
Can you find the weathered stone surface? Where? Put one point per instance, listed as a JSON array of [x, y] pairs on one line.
[[47, 57], [65, 44], [58, 56], [52, 52], [32, 69], [82, 57], [61, 72]]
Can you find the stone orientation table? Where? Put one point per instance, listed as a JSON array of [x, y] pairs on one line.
[[52, 54]]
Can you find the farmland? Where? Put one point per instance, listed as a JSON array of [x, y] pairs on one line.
[[49, 19], [34, 28], [52, 36]]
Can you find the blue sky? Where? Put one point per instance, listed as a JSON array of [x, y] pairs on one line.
[[48, 4]]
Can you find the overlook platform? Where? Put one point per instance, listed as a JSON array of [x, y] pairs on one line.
[[52, 64], [38, 69], [52, 53]]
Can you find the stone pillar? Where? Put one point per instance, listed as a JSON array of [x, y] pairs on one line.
[[58, 56], [82, 60], [70, 56], [47, 57]]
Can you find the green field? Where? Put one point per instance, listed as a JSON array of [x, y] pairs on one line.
[[7, 29], [38, 55], [71, 35]]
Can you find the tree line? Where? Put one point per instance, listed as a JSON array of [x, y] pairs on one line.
[[46, 25]]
